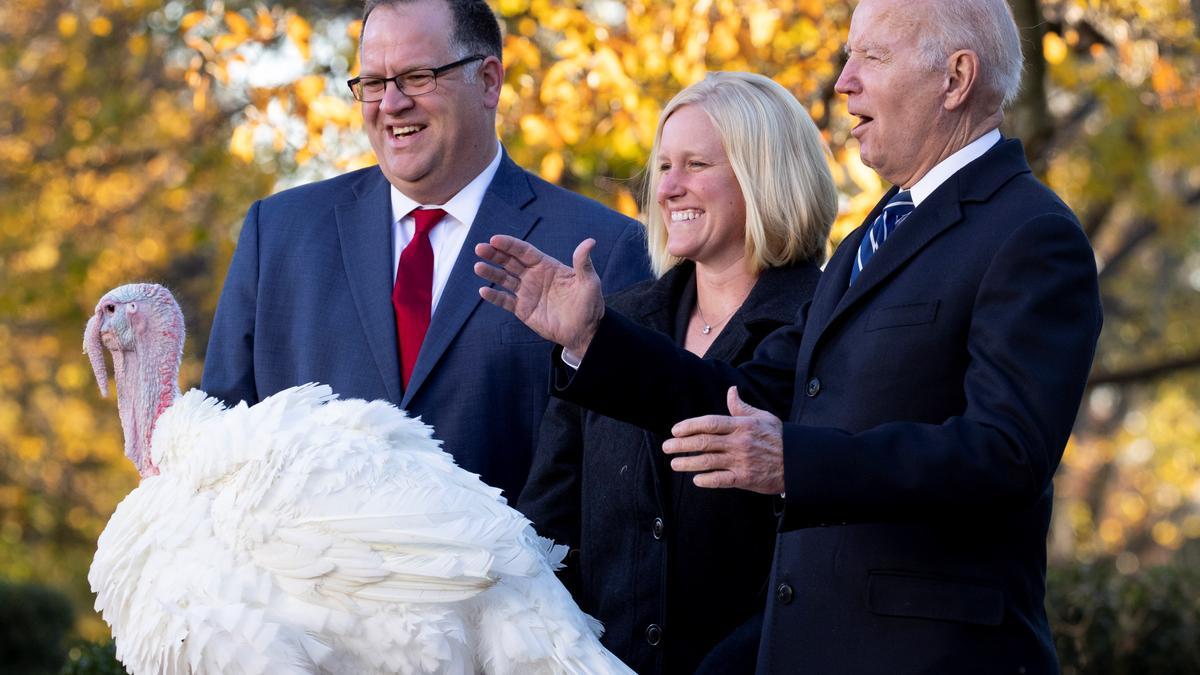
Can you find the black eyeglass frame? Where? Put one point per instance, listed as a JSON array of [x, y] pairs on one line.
[[355, 83]]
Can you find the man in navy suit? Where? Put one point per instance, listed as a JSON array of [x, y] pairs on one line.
[[337, 281], [914, 417]]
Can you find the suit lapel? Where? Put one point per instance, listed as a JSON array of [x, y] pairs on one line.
[[365, 234], [499, 213]]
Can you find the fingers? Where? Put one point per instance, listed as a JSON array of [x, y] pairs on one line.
[[497, 276], [505, 301], [703, 462], [708, 424], [500, 259], [715, 479], [523, 252]]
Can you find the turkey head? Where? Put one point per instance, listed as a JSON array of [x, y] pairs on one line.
[[142, 326]]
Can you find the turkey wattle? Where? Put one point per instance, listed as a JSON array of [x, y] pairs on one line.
[[307, 534]]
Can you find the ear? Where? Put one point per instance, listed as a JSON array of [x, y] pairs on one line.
[[962, 76], [491, 74]]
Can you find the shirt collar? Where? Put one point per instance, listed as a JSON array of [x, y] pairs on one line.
[[948, 167], [463, 206]]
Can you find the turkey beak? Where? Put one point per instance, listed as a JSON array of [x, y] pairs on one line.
[[94, 348]]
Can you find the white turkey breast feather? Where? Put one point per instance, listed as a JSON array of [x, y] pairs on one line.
[[312, 535]]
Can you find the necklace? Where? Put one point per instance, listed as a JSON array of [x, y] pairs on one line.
[[709, 326]]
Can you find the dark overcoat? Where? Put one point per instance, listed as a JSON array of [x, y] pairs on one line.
[[670, 569], [926, 409]]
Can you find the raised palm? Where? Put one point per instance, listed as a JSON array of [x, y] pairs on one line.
[[560, 303]]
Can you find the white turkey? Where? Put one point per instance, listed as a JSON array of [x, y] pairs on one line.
[[307, 534]]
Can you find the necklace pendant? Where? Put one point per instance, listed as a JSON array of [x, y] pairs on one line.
[[707, 329]]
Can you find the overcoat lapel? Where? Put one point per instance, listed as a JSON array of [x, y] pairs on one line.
[[365, 235], [938, 212], [501, 212], [975, 182]]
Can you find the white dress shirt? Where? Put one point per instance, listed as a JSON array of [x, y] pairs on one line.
[[448, 235], [948, 167]]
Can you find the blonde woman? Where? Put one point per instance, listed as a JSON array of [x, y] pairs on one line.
[[739, 204]]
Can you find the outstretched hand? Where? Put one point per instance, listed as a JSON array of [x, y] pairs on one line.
[[562, 304], [742, 450]]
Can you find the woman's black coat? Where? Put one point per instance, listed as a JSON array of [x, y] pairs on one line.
[[669, 569]]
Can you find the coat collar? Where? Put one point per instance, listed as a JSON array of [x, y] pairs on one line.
[[774, 300], [976, 182]]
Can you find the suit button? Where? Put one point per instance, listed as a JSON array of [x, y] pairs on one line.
[[657, 529], [814, 388], [784, 594], [654, 634]]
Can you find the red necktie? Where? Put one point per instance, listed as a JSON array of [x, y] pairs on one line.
[[412, 296]]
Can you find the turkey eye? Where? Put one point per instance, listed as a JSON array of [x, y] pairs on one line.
[[110, 308]]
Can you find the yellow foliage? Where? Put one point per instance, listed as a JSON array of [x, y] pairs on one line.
[[299, 32], [238, 25], [626, 203], [68, 23], [100, 26], [264, 28], [1166, 534], [241, 144], [511, 7], [227, 42], [1054, 48], [138, 45], [191, 19], [552, 166], [764, 21], [309, 88]]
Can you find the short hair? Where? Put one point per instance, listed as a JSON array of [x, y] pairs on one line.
[[476, 29], [780, 161], [986, 27]]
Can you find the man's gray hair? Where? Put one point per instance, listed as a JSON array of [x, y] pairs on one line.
[[986, 27]]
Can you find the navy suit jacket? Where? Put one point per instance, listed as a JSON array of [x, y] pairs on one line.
[[308, 299], [926, 409]]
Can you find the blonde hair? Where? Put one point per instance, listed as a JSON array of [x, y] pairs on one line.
[[780, 162]]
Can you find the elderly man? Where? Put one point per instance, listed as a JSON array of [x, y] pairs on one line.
[[357, 281], [928, 390]]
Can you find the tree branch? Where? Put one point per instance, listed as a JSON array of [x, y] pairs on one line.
[[1146, 372], [1139, 233]]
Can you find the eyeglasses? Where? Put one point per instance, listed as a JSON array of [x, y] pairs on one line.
[[412, 83]]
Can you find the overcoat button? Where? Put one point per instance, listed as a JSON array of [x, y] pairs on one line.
[[784, 594], [657, 530], [814, 388], [654, 634]]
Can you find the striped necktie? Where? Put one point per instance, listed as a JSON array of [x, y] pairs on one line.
[[894, 213]]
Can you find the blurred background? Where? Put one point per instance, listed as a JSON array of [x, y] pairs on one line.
[[134, 135]]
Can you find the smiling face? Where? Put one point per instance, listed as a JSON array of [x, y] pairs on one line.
[[902, 120], [429, 146], [699, 195]]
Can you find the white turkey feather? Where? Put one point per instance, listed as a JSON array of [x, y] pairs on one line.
[[307, 534]]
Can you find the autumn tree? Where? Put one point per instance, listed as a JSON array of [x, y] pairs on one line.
[[113, 168]]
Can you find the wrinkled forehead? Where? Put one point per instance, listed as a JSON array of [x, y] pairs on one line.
[[887, 20]]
